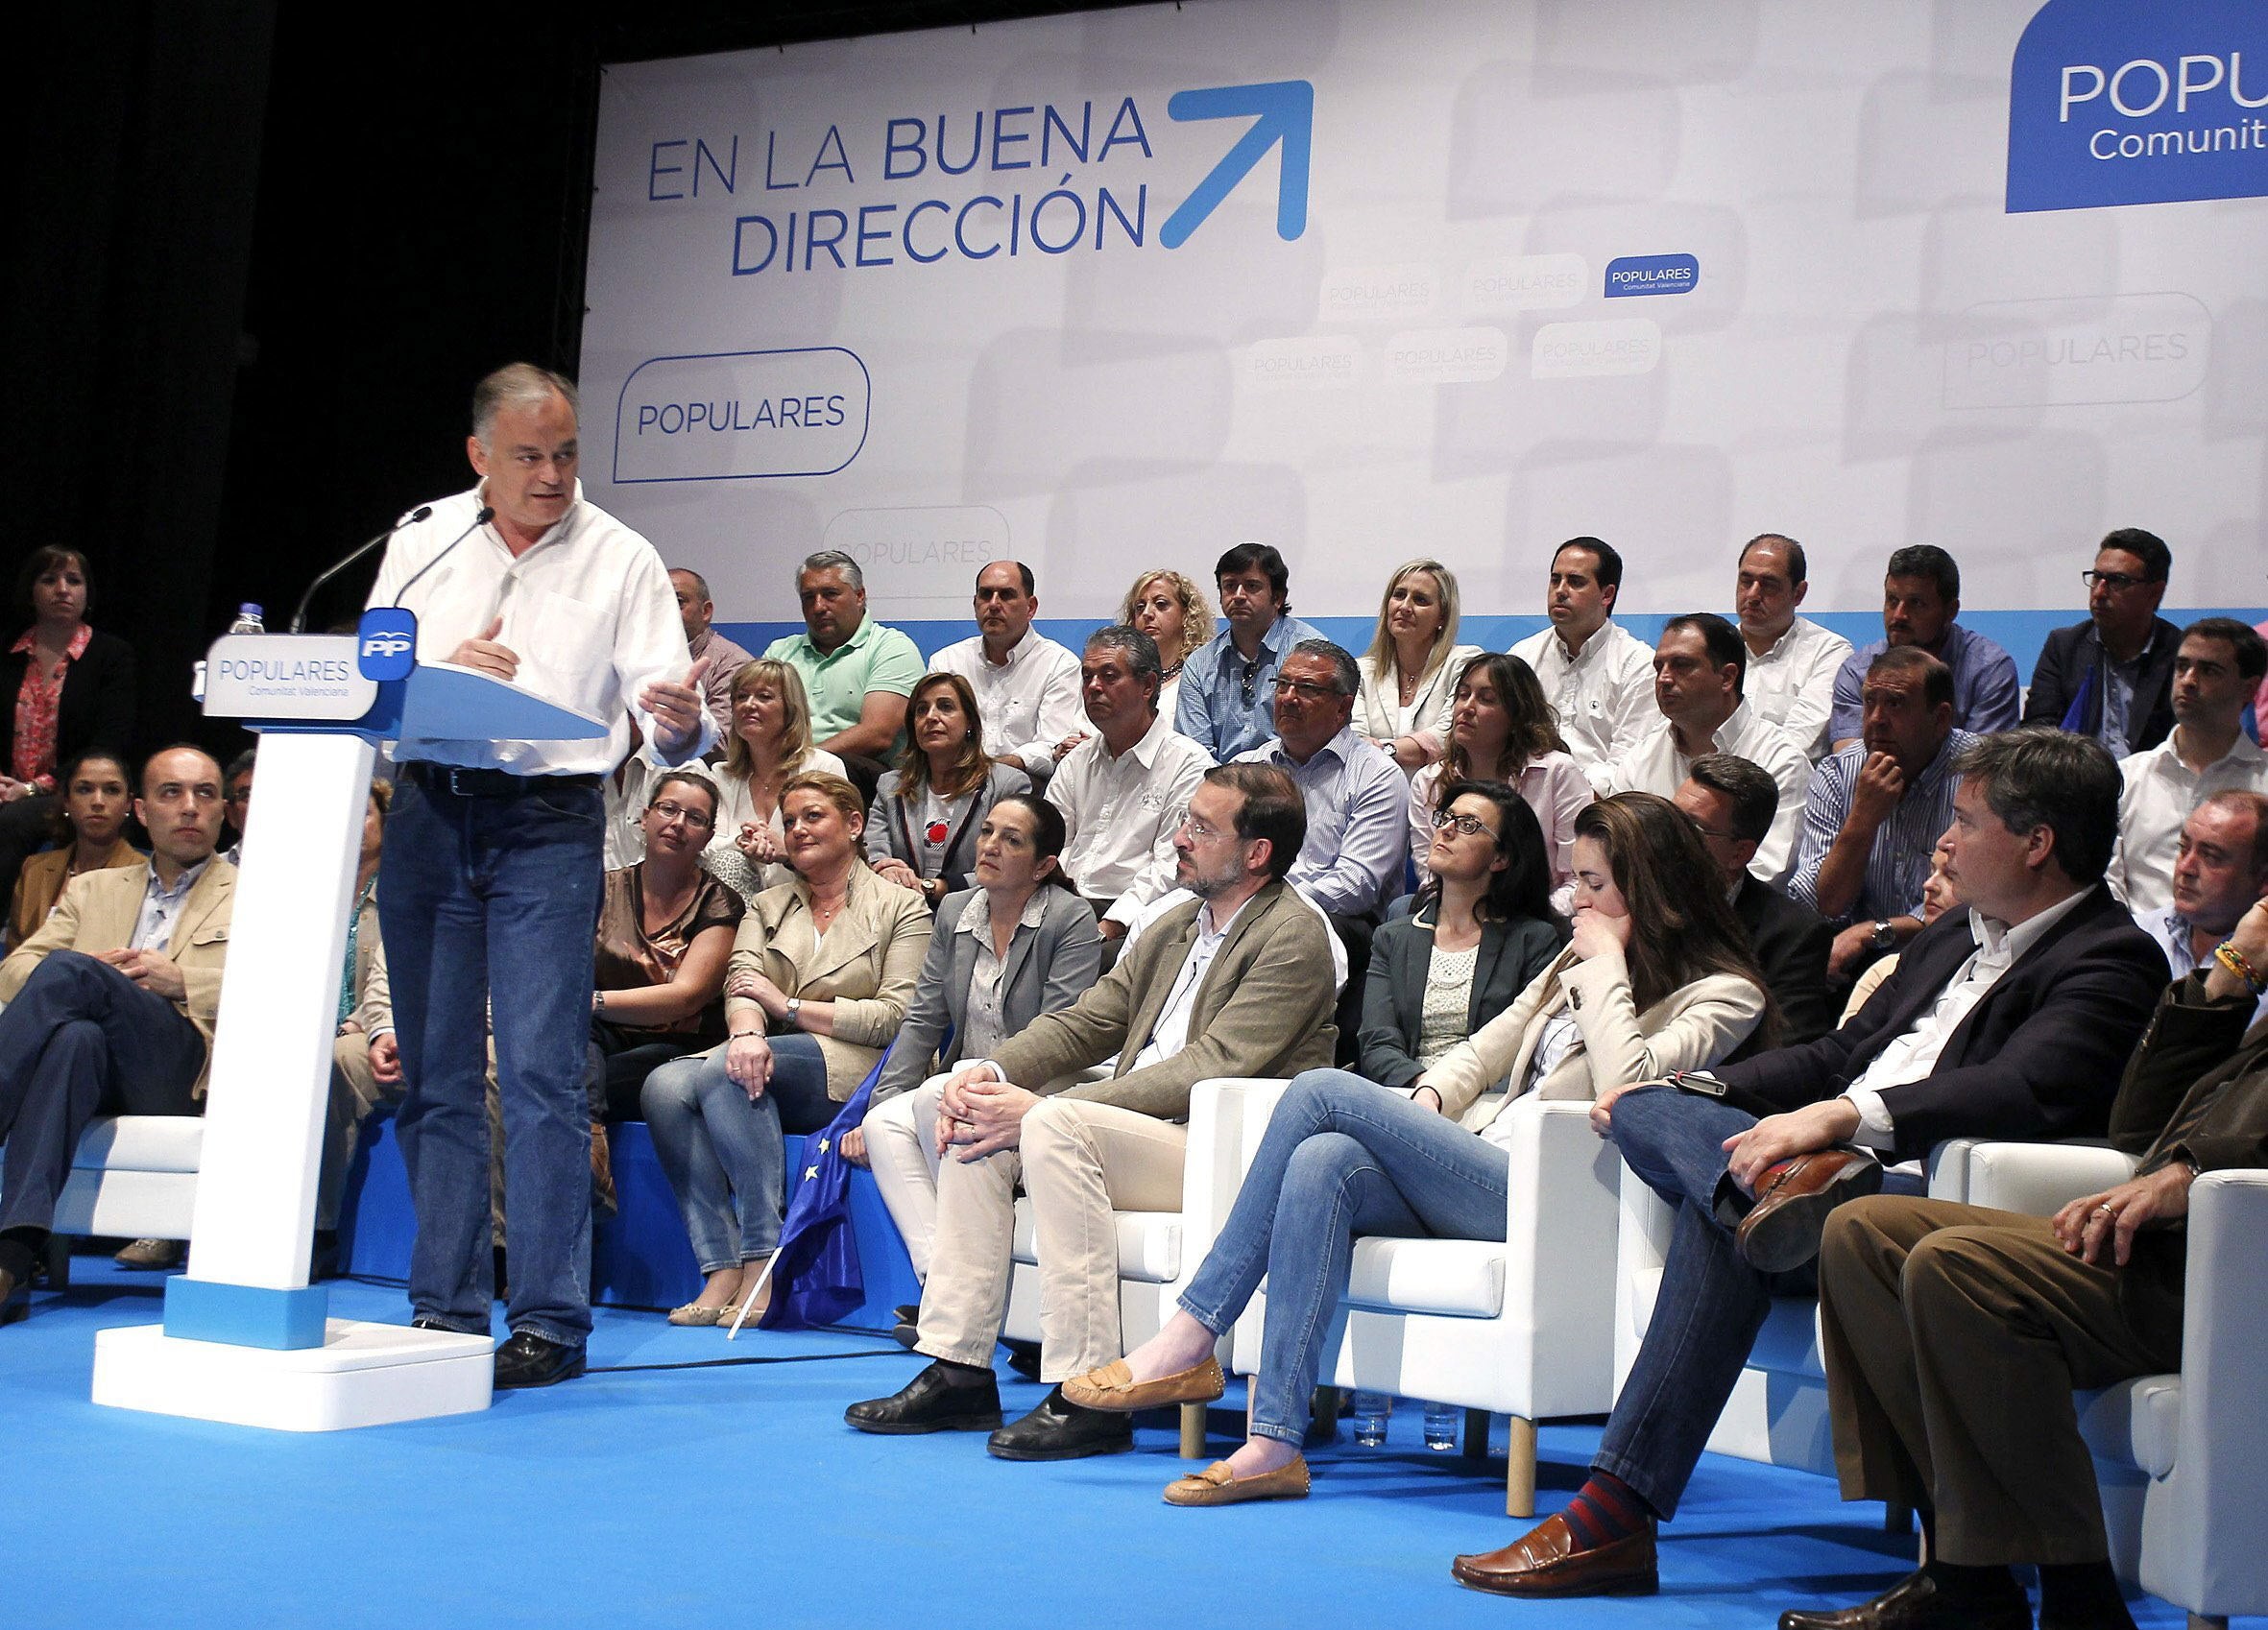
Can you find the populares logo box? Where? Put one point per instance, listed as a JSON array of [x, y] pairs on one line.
[[2113, 103]]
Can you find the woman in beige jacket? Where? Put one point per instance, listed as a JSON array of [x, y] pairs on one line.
[[1657, 978], [822, 970]]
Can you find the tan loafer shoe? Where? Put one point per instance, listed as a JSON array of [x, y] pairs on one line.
[[1114, 1387], [1218, 1485]]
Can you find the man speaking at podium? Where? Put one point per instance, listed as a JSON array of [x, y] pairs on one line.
[[493, 864]]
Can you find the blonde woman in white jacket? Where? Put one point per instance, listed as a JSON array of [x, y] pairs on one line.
[[1657, 977]]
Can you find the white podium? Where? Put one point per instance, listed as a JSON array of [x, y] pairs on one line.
[[246, 1338]]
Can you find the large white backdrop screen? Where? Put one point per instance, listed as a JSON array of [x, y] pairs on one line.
[[1860, 343]]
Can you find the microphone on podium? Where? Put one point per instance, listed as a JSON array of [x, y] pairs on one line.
[[299, 618], [486, 514]]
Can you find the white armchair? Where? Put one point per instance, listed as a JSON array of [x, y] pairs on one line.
[[133, 1176], [1485, 1325], [1158, 1251]]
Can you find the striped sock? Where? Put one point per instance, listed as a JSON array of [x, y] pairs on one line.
[[1604, 1510]]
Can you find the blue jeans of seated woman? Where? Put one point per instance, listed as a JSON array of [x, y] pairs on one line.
[[1341, 1156], [723, 1155]]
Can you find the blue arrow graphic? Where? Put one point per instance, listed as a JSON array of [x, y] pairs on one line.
[[1283, 111]]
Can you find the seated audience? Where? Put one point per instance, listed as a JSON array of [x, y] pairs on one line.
[[2111, 676], [64, 689], [1936, 898], [724, 659], [1657, 978], [1019, 943], [856, 672], [1792, 659], [2218, 663], [1501, 728], [770, 745], [2222, 874], [1412, 666], [1227, 704], [1124, 790], [1026, 686], [1996, 1025], [365, 1056], [1698, 665], [1920, 598], [1955, 1336], [89, 836], [1474, 937], [1731, 802], [1597, 676], [821, 973], [1172, 610], [237, 801], [627, 789], [111, 1004], [921, 832], [1236, 982], [1874, 808]]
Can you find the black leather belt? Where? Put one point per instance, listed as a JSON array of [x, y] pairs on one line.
[[469, 782]]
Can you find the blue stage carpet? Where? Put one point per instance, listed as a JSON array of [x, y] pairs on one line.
[[735, 1496]]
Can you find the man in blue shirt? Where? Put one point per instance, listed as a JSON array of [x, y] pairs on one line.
[[1920, 598], [1228, 684]]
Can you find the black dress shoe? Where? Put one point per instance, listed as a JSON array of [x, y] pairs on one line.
[[929, 1403], [529, 1359], [323, 1256], [909, 1329], [1059, 1429], [1918, 1602], [1024, 1358]]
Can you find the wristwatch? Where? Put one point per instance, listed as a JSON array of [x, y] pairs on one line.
[[795, 1006], [1885, 938]]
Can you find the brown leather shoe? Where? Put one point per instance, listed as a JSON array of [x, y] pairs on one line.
[[1218, 1485], [1915, 1603], [11, 1309], [1792, 1200], [1114, 1387], [158, 1253], [1544, 1562]]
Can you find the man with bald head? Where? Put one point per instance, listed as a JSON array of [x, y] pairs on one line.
[[1026, 686], [2220, 873], [111, 1005]]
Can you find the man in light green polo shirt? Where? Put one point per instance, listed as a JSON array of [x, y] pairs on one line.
[[856, 672]]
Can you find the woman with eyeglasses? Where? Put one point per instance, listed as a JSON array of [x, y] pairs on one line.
[[1172, 610], [1502, 729], [89, 835], [1413, 664], [820, 976], [1655, 977], [770, 741], [921, 830]]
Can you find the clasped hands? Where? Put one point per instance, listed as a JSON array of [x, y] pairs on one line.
[[980, 1115], [153, 971]]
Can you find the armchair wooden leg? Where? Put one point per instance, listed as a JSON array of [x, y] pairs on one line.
[[1193, 1431], [1476, 1434], [1519, 1472], [1897, 1519]]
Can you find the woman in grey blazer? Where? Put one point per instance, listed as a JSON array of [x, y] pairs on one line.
[[921, 830], [1020, 943]]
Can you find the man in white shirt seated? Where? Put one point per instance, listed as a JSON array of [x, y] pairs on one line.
[[1125, 789], [1699, 667], [2217, 665], [1598, 677], [1026, 686], [1236, 982], [697, 611], [2221, 872], [1791, 660]]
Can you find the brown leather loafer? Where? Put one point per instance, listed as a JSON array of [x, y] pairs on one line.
[[1782, 1232], [1218, 1485], [1915, 1603], [1113, 1387], [1543, 1562]]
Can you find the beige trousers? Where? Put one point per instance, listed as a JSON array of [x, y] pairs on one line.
[[1079, 1162]]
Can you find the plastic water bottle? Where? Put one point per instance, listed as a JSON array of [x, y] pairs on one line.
[[248, 620], [1441, 1424], [1371, 1411]]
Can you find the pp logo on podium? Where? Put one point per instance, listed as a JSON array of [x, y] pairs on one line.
[[387, 643]]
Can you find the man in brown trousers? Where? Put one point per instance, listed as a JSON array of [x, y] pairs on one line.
[[1955, 1335]]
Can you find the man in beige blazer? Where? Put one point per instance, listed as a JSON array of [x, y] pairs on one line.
[[1236, 982], [111, 1005]]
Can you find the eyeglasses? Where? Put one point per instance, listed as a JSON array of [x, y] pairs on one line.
[[1713, 833], [2117, 581], [679, 812], [1470, 825], [1199, 830], [1307, 691]]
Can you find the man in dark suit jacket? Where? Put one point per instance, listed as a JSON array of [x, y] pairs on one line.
[[1994, 1023], [2124, 652], [2015, 1312], [1733, 801]]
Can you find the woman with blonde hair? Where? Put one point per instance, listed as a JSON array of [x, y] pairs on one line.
[[771, 742], [1502, 729], [921, 830], [1172, 610], [1412, 662]]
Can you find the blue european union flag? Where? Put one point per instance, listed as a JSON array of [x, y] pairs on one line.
[[815, 1275]]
